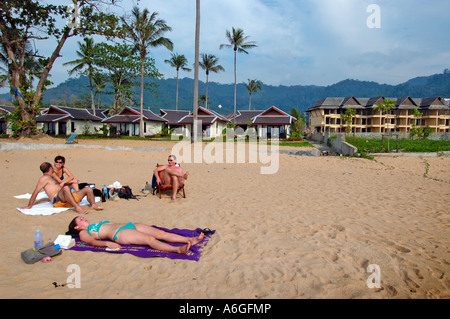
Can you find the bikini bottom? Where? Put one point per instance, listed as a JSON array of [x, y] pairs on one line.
[[127, 226]]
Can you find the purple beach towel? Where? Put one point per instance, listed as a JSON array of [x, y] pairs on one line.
[[194, 252]]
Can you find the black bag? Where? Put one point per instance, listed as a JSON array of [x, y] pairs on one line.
[[125, 192]]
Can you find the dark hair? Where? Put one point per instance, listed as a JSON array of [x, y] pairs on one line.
[[72, 226], [59, 157], [45, 167]]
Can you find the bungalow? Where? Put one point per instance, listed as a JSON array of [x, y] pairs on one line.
[[62, 120], [212, 122], [127, 122], [266, 122], [173, 118], [5, 128]]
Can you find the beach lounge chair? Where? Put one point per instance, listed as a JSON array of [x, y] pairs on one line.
[[72, 139], [163, 187]]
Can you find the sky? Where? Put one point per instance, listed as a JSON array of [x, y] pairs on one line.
[[302, 42]]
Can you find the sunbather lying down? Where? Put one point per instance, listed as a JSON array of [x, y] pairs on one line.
[[129, 234]]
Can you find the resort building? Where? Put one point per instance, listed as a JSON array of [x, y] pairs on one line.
[[127, 122], [212, 122], [325, 115], [62, 120], [266, 122]]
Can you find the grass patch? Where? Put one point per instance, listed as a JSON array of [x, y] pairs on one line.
[[404, 145]]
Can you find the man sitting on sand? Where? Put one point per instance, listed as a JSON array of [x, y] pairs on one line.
[[172, 174], [111, 235], [61, 196]]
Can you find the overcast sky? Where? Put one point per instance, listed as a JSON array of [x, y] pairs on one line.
[[304, 42]]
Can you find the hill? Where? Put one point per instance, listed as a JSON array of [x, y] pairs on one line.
[[283, 97]]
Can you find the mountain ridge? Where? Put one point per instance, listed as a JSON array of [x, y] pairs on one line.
[[285, 98]]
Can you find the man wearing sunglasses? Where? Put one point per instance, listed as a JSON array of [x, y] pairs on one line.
[[172, 175]]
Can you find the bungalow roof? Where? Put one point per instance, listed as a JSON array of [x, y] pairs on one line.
[[173, 117], [133, 115], [271, 116], [59, 113], [6, 110], [400, 103], [205, 115]]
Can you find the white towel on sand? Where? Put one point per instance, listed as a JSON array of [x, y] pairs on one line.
[[45, 208]]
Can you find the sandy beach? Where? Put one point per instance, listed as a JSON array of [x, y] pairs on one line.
[[308, 231]]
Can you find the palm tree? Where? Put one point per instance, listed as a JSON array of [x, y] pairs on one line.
[[86, 54], [196, 64], [146, 30], [179, 62], [252, 86], [209, 64], [237, 41], [100, 84]]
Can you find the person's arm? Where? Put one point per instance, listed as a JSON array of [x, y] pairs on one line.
[[85, 237], [40, 185], [155, 172], [67, 180]]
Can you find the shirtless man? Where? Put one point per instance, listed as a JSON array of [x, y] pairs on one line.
[[61, 196], [173, 175]]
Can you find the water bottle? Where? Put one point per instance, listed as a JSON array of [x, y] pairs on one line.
[[38, 239], [104, 193]]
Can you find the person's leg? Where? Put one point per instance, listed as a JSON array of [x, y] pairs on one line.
[[176, 178], [135, 237], [175, 185], [65, 195], [166, 236], [89, 193]]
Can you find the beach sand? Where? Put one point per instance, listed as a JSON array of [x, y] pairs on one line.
[[309, 231]]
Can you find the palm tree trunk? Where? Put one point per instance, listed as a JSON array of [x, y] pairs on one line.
[[235, 81], [250, 102], [206, 99], [92, 94], [197, 57], [176, 99], [141, 120]]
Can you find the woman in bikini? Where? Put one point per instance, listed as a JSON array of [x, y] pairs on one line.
[[111, 235], [59, 172]]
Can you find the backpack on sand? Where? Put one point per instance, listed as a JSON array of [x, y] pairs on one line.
[[125, 192]]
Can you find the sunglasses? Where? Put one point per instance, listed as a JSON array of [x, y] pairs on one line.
[[169, 160], [59, 162]]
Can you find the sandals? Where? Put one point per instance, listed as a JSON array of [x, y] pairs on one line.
[[206, 231]]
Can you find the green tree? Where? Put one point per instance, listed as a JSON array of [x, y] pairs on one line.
[[85, 63], [23, 20], [347, 117], [100, 82], [145, 30], [178, 61], [122, 63], [238, 42], [385, 108], [209, 64], [252, 86]]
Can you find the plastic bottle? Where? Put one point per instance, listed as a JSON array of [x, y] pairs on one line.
[[38, 239], [104, 193]]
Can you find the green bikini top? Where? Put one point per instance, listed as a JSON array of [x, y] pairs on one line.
[[96, 227]]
